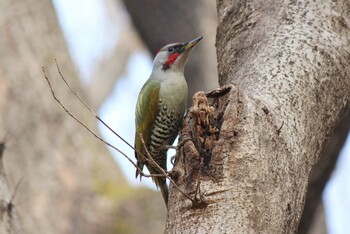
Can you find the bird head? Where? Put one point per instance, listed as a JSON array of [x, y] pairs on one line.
[[173, 57]]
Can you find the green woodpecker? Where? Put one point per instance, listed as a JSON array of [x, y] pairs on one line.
[[160, 108]]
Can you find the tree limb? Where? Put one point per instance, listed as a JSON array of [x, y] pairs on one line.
[[9, 220], [322, 172], [288, 71]]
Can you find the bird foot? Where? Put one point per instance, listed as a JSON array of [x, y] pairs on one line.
[[166, 147], [183, 139], [173, 159], [179, 145]]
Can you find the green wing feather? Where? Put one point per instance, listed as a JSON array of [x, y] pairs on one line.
[[146, 113]]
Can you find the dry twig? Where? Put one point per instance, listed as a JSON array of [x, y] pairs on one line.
[[148, 158], [90, 110], [87, 128], [162, 170]]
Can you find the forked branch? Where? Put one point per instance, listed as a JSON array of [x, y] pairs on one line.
[[85, 126], [147, 157]]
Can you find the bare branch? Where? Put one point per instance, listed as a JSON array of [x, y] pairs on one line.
[[86, 127], [89, 109], [16, 189], [99, 119], [147, 157], [165, 174]]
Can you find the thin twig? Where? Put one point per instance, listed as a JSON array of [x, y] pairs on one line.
[[91, 131], [16, 188], [198, 179], [148, 158], [180, 144], [89, 109], [95, 115], [279, 130], [10, 205], [200, 201], [166, 174]]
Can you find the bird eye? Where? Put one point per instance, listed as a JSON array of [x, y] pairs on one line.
[[171, 49]]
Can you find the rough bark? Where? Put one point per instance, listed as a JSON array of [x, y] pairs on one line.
[[320, 175], [9, 220], [318, 223], [59, 164], [69, 181], [161, 22], [289, 63]]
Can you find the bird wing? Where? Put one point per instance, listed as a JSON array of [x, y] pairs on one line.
[[146, 113]]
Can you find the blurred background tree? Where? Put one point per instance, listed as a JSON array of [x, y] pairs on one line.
[[70, 183]]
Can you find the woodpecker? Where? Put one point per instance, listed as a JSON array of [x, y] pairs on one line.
[[160, 108]]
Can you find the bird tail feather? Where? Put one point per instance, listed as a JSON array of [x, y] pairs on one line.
[[139, 165], [161, 183]]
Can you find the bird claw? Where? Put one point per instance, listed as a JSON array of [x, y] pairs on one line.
[[183, 139], [166, 147], [173, 159]]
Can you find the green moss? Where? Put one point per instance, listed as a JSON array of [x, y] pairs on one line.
[[122, 226], [134, 210], [109, 187]]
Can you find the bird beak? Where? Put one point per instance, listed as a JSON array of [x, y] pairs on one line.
[[189, 45]]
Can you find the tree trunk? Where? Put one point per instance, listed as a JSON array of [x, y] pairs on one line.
[[9, 220], [255, 143], [66, 180], [320, 174], [62, 169], [317, 224]]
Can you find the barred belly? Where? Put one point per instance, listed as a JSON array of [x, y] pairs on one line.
[[164, 132]]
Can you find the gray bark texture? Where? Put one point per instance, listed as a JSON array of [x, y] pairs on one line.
[[61, 168], [320, 174], [9, 220], [66, 180], [256, 141], [318, 224]]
